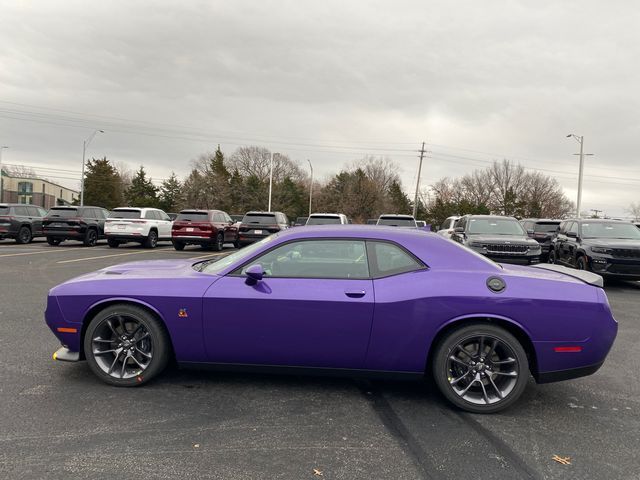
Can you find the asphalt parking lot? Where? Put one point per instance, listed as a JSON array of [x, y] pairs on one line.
[[59, 421]]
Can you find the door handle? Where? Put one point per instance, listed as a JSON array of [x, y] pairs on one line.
[[355, 293]]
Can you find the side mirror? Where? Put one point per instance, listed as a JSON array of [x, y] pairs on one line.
[[458, 230], [254, 274], [529, 232], [572, 234]]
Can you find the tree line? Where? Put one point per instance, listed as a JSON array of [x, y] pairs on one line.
[[362, 189]]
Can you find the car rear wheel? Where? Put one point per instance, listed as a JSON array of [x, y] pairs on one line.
[[219, 244], [480, 368], [91, 238], [178, 246], [552, 257], [152, 240], [54, 242], [24, 235], [113, 243], [126, 346]]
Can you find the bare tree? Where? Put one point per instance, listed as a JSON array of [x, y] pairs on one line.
[[634, 210], [20, 171], [508, 184], [255, 162]]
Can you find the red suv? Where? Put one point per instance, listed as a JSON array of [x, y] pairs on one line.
[[208, 228]]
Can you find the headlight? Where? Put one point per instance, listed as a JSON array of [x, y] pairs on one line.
[[535, 248], [601, 250], [475, 245]]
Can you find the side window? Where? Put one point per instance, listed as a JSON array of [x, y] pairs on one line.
[[21, 211], [150, 215], [445, 225], [227, 218], [33, 211], [163, 216], [315, 259], [389, 259], [573, 227], [42, 212], [218, 217], [561, 227], [462, 223]]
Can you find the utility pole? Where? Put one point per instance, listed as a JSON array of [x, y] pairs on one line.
[[85, 144], [270, 179], [310, 186], [580, 140], [2, 147], [415, 199]]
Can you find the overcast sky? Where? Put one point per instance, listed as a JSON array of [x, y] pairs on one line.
[[328, 81]]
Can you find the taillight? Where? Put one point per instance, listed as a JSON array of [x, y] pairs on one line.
[[138, 221]]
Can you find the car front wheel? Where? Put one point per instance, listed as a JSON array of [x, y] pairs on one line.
[[24, 235], [581, 263], [126, 345], [480, 368], [552, 257]]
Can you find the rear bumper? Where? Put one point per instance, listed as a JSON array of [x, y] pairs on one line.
[[59, 233], [560, 375], [131, 237], [193, 239]]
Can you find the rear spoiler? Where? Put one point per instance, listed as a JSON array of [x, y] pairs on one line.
[[587, 277]]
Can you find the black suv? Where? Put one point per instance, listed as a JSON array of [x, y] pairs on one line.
[[542, 231], [258, 225], [609, 248], [502, 239], [21, 222], [85, 224]]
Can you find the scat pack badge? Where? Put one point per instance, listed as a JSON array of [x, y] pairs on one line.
[[182, 313]]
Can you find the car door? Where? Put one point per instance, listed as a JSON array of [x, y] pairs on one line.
[[164, 224], [571, 243], [230, 229], [313, 308], [36, 221]]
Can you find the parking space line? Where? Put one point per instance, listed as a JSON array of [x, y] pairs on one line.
[[35, 253], [105, 256]]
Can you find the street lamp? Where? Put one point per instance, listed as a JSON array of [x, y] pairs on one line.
[[310, 186], [580, 140], [85, 144], [2, 147]]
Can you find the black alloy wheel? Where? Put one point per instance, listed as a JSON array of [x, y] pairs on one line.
[[219, 245], [552, 257], [53, 241], [152, 239], [178, 245], [113, 243], [24, 235], [91, 238], [126, 345], [480, 368], [581, 263]]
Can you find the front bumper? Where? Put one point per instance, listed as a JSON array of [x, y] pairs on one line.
[[63, 354], [611, 267], [514, 259]]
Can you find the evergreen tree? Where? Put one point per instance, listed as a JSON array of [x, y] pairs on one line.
[[170, 194], [142, 192], [398, 200], [102, 184]]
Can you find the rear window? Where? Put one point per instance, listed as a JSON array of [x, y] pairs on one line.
[[397, 221], [545, 227], [323, 220], [260, 218], [125, 214], [4, 210], [63, 212], [192, 217]]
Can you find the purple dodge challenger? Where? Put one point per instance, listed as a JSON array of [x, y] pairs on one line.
[[348, 299]]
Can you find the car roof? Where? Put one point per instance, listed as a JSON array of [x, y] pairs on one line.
[[134, 208], [395, 215], [492, 216], [326, 214]]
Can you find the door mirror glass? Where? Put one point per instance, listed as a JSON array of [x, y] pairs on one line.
[[529, 232], [572, 234], [254, 274], [458, 230]]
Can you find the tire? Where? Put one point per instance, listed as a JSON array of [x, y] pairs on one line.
[[113, 243], [179, 246], [153, 342], [581, 263], [509, 378], [219, 243], [152, 240], [237, 244], [24, 235], [552, 257], [90, 238], [53, 241]]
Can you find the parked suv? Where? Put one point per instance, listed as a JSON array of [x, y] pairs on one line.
[[327, 219], [85, 224], [502, 239], [146, 226], [207, 228], [609, 248], [397, 220], [446, 229], [257, 225], [542, 231], [21, 222]]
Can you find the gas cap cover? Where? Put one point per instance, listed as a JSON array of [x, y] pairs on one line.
[[496, 284]]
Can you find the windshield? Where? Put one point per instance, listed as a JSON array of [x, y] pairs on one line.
[[545, 227], [495, 226], [610, 230], [125, 214], [261, 218], [63, 212], [192, 217], [216, 265], [397, 221], [323, 220]]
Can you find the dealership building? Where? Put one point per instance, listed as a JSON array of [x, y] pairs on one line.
[[33, 190]]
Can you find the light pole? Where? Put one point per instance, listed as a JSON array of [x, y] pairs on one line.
[[310, 186], [2, 147], [580, 140], [270, 180], [85, 144]]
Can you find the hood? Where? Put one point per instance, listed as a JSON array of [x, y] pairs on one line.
[[150, 269], [488, 238], [611, 242]]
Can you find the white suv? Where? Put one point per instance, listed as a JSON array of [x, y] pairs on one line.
[[327, 219], [146, 226], [446, 229]]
